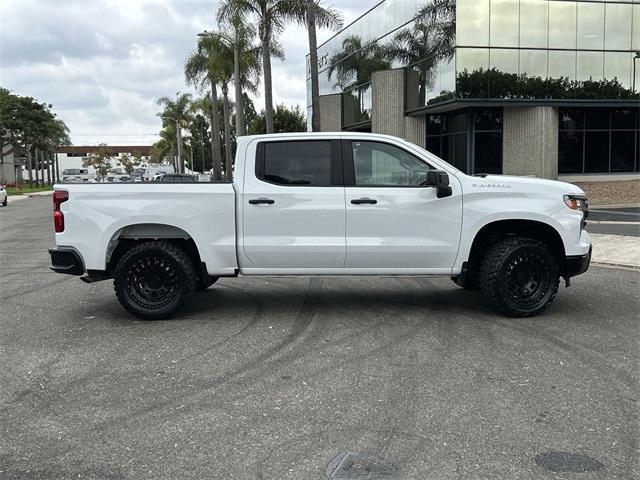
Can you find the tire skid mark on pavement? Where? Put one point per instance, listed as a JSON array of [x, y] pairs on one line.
[[303, 320], [37, 288], [249, 325], [400, 419]]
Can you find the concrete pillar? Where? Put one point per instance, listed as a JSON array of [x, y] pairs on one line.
[[388, 107], [530, 141], [330, 112]]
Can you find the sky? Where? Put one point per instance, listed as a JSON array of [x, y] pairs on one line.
[[102, 64]]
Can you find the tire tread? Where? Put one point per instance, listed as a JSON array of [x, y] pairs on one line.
[[490, 271]]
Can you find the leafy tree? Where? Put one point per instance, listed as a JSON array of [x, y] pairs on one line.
[[284, 120], [494, 83], [28, 124], [201, 143], [130, 163], [100, 160]]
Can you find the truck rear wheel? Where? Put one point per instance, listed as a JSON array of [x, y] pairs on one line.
[[153, 280], [519, 276]]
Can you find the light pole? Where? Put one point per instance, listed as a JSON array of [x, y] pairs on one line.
[[637, 56]]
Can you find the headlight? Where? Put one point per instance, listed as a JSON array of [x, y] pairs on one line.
[[576, 202]]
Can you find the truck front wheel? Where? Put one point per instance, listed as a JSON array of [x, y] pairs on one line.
[[519, 276], [153, 280]]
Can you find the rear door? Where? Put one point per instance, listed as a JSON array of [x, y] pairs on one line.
[[294, 207], [395, 224]]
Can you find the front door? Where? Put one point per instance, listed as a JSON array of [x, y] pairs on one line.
[[395, 224], [294, 207]]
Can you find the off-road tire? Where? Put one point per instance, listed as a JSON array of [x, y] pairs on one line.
[[519, 276], [205, 283], [154, 279]]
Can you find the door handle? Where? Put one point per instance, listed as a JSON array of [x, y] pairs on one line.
[[359, 201], [258, 201]]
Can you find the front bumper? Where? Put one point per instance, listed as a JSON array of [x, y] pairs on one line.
[[576, 264], [66, 260]]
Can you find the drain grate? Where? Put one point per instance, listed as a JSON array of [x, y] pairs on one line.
[[359, 466], [568, 462]]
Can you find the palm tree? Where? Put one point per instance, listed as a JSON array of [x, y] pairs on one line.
[[356, 62], [58, 134], [314, 15], [441, 15], [177, 111], [239, 35], [417, 48], [271, 17], [199, 69]]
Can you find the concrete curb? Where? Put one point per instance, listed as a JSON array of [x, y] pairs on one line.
[[615, 205], [616, 250], [616, 265], [38, 194], [16, 198]]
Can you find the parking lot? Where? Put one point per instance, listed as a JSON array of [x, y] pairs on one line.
[[273, 378]]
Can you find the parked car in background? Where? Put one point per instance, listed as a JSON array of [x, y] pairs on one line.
[[176, 178], [3, 196]]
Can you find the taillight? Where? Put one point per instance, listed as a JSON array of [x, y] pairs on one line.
[[59, 196]]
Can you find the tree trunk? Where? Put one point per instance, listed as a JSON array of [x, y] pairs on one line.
[[37, 169], [268, 89], [313, 66], [228, 168], [57, 166], [28, 154], [29, 163], [240, 126], [180, 161], [47, 157], [216, 160]]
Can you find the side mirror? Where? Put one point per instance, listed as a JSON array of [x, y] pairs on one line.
[[440, 181]]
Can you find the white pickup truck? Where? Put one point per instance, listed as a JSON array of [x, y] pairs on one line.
[[325, 204]]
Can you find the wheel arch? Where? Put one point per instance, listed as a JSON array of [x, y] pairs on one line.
[[130, 235], [497, 229]]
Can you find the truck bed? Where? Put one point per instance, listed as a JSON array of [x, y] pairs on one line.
[[97, 214]]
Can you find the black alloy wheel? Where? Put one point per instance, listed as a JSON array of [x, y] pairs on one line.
[[153, 280]]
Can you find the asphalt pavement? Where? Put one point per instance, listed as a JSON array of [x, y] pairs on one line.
[[614, 221], [276, 378]]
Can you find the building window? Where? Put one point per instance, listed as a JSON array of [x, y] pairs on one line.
[[470, 140], [598, 140]]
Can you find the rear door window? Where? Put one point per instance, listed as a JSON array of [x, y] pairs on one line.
[[296, 163]]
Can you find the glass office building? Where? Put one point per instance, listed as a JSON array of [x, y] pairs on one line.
[[475, 69]]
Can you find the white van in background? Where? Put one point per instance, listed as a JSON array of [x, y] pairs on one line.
[[76, 175], [157, 169]]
